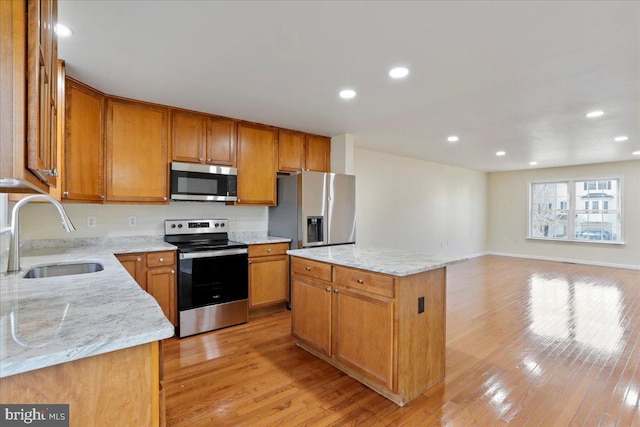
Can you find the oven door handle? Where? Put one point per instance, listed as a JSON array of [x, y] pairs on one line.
[[210, 254]]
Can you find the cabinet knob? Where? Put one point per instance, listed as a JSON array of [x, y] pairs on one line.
[[164, 198], [65, 193], [208, 160], [138, 259], [328, 289], [200, 159], [335, 291], [161, 259], [249, 262], [102, 196], [268, 249], [360, 281], [308, 268], [173, 272]]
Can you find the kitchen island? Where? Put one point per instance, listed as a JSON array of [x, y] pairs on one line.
[[88, 340], [376, 314]]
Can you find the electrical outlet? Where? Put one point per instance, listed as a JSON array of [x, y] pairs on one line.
[[91, 222], [133, 221]]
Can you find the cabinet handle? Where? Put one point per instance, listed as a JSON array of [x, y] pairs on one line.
[[308, 268], [173, 272], [335, 291], [360, 281], [328, 289], [138, 259], [161, 259]]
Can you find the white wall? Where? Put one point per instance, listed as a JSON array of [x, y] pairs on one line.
[[419, 205], [41, 220], [508, 213]]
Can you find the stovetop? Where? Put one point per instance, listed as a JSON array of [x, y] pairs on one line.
[[193, 235]]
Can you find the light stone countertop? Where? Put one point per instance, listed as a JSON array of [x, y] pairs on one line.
[[47, 321], [256, 238], [396, 262]]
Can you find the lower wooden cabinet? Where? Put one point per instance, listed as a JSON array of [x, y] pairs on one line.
[[268, 275], [387, 332], [155, 272]]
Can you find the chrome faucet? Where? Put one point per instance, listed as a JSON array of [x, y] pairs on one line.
[[14, 244]]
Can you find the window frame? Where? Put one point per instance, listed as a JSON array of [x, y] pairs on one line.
[[572, 210]]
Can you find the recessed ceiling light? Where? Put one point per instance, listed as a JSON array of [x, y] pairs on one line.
[[347, 93], [621, 138], [500, 153], [533, 163], [594, 114], [636, 153], [453, 138], [63, 31], [399, 72]]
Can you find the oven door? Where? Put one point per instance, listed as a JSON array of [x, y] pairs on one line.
[[203, 183], [212, 277]]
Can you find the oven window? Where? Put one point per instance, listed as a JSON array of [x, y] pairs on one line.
[[215, 280], [193, 185]]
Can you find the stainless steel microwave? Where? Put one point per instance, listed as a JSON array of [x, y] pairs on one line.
[[203, 183]]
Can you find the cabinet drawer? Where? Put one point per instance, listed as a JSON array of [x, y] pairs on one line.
[[161, 259], [364, 280], [268, 249], [307, 267]]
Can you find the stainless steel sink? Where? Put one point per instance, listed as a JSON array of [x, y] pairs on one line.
[[63, 269]]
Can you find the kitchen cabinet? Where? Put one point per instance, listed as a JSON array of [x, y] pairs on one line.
[[318, 153], [385, 331], [137, 161], [298, 151], [257, 164], [199, 138], [155, 272], [83, 143], [268, 275], [28, 96], [118, 388]]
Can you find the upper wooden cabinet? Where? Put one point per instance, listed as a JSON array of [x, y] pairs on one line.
[[137, 152], [257, 164], [83, 143], [318, 153], [198, 138], [298, 151], [28, 96]]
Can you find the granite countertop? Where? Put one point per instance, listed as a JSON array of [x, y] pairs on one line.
[[256, 238], [396, 262], [47, 321]]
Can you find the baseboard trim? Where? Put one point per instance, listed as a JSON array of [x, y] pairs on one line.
[[571, 260]]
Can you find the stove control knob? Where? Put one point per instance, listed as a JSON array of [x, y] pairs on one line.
[[222, 225], [179, 225], [173, 226], [217, 225]]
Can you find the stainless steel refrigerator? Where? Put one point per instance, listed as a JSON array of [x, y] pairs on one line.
[[315, 209]]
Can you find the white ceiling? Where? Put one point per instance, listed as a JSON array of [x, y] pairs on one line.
[[514, 76]]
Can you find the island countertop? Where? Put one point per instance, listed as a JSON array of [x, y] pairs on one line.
[[396, 262], [47, 321]]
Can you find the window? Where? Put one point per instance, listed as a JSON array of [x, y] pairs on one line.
[[576, 210]]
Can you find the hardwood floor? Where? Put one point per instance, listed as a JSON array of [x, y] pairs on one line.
[[528, 343]]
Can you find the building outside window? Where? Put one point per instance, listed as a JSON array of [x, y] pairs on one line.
[[576, 210]]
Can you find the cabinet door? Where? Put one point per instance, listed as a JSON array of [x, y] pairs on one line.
[[311, 313], [134, 264], [290, 151], [363, 334], [268, 281], [161, 284], [221, 141], [318, 153], [257, 156], [137, 160], [188, 137], [83, 143]]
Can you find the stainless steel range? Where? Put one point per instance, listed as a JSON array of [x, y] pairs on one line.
[[213, 282]]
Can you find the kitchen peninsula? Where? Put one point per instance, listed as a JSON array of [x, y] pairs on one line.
[[376, 314]]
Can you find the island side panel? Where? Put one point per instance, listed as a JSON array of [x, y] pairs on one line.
[[111, 389], [421, 336]]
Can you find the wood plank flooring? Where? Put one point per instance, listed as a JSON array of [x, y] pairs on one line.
[[529, 343]]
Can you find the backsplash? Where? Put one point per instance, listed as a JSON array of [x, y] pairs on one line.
[[41, 221]]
